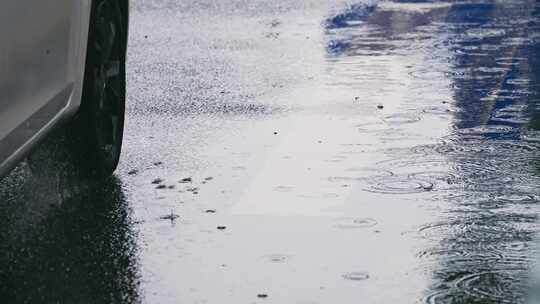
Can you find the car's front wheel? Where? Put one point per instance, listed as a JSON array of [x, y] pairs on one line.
[[99, 125]]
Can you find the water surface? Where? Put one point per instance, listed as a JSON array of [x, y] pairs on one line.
[[299, 152]]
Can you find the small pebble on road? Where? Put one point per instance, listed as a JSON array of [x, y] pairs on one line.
[[172, 217]]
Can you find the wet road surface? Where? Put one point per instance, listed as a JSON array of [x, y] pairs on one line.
[[286, 152]]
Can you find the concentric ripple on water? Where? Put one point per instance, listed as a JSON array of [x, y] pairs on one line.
[[355, 223], [398, 186], [493, 285], [356, 276]]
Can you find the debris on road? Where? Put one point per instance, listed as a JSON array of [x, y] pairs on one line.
[[172, 217], [157, 181]]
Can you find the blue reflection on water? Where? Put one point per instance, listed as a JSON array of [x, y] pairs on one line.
[[489, 53]]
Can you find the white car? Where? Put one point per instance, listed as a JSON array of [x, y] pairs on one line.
[[62, 63]]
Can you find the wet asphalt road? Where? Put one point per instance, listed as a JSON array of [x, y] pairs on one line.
[[298, 152]]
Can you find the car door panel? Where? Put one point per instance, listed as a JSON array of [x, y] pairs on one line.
[[40, 50]]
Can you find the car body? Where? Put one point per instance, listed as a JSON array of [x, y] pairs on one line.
[[42, 70]]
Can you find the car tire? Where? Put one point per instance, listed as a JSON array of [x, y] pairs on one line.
[[97, 129]]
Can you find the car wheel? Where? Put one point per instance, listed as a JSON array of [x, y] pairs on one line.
[[99, 125]]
